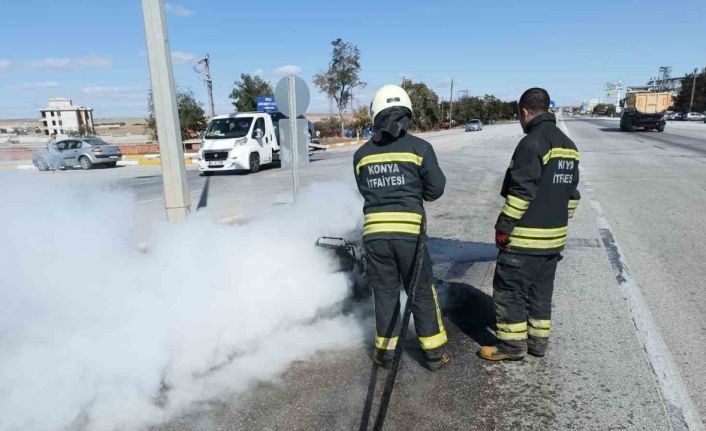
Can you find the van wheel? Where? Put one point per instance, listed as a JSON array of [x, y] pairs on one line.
[[85, 163], [254, 163]]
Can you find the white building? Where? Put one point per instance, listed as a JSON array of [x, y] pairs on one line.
[[61, 117]]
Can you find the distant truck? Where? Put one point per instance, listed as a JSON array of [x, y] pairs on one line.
[[645, 110]]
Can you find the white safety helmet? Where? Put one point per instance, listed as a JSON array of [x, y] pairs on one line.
[[388, 96]]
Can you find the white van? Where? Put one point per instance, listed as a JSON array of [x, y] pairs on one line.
[[242, 141]]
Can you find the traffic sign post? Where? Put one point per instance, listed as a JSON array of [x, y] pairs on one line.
[[292, 98], [266, 104]]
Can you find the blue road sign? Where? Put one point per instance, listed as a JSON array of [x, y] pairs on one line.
[[266, 103]]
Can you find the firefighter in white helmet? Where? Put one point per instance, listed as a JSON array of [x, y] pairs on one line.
[[396, 172]]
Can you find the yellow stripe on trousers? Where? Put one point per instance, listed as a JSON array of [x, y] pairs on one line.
[[511, 331], [385, 343], [438, 340]]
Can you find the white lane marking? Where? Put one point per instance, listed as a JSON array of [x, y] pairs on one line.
[[680, 408]]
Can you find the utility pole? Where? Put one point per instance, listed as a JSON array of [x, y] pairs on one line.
[[451, 101], [171, 148], [206, 61], [693, 87]]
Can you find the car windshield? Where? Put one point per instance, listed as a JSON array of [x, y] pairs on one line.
[[95, 141], [474, 122], [222, 128]]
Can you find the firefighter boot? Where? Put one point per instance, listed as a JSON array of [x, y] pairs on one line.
[[538, 339], [493, 353], [537, 346], [382, 359], [438, 363]]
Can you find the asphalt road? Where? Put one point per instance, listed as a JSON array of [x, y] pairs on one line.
[[652, 187], [598, 375]]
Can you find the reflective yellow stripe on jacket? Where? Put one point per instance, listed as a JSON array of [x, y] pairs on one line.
[[538, 238], [560, 153], [515, 207], [389, 158], [393, 222]]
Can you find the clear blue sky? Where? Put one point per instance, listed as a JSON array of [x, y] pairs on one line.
[[94, 51]]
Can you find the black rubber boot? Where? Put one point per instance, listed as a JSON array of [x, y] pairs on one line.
[[537, 346], [382, 359]]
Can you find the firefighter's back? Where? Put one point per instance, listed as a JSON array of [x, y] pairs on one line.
[[395, 177]]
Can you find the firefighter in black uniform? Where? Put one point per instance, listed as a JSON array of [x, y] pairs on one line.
[[540, 196], [395, 173]]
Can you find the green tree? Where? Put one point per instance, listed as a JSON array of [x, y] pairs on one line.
[[192, 117], [361, 118], [492, 107], [683, 100], [511, 110], [341, 77], [329, 126], [468, 108], [246, 91], [424, 105], [600, 109]]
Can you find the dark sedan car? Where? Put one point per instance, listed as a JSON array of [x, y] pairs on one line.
[[76, 152]]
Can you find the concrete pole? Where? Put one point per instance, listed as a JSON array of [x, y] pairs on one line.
[[209, 84], [171, 148], [451, 102], [295, 136], [693, 87]]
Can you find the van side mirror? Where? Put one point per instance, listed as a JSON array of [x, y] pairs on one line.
[[259, 134]]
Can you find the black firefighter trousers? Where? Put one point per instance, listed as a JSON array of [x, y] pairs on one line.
[[522, 293], [391, 264]]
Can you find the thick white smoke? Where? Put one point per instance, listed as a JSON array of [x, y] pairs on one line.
[[98, 335]]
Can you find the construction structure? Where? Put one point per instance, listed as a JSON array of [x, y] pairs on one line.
[[61, 117]]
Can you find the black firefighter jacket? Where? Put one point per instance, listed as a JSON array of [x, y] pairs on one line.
[[540, 189], [395, 176]]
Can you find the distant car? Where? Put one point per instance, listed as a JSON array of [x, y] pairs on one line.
[[680, 116], [445, 124], [76, 152], [489, 121], [474, 126], [694, 116], [670, 115]]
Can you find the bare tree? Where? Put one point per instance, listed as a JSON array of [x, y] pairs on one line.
[[342, 76]]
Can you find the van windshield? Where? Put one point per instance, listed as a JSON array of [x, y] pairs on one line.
[[223, 128]]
